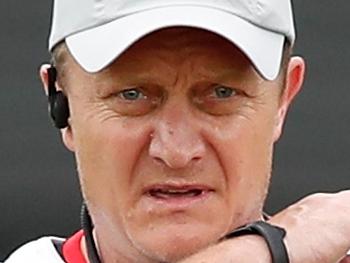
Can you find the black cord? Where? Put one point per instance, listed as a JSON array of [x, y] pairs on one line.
[[86, 224]]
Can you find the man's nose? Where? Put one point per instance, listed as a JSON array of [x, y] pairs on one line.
[[176, 141]]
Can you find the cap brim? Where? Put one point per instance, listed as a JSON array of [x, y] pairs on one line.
[[94, 49]]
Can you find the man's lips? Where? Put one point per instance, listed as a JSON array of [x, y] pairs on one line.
[[169, 191]]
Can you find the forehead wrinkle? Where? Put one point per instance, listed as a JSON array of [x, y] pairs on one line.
[[169, 55], [175, 38], [224, 58], [201, 67]]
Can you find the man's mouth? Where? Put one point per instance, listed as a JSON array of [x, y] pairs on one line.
[[168, 193]]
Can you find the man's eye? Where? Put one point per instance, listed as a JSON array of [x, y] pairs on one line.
[[223, 92], [131, 94]]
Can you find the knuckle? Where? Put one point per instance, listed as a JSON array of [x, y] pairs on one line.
[[318, 197], [344, 193], [334, 198]]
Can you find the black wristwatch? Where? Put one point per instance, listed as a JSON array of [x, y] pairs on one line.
[[273, 236]]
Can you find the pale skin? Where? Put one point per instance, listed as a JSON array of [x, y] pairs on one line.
[[167, 114]]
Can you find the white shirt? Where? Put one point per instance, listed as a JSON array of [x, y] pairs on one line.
[[42, 250]]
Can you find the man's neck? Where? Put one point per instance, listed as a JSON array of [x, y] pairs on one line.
[[109, 255]]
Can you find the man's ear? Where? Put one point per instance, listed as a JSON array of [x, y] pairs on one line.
[[44, 76], [293, 83], [66, 133]]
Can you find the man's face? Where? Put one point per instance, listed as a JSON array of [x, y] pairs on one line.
[[173, 143]]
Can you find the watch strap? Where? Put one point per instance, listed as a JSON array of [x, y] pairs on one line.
[[273, 236]]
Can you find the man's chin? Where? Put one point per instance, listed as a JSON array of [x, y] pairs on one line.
[[174, 243], [173, 251]]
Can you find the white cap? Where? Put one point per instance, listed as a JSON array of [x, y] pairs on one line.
[[98, 31]]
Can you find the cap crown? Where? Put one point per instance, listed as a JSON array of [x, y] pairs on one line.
[[73, 16]]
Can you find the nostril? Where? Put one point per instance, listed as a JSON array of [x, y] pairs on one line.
[[158, 160], [196, 159]]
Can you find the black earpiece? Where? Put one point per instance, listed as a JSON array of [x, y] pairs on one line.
[[58, 102]]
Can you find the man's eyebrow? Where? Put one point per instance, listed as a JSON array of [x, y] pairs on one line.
[[219, 72], [224, 74], [117, 79]]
